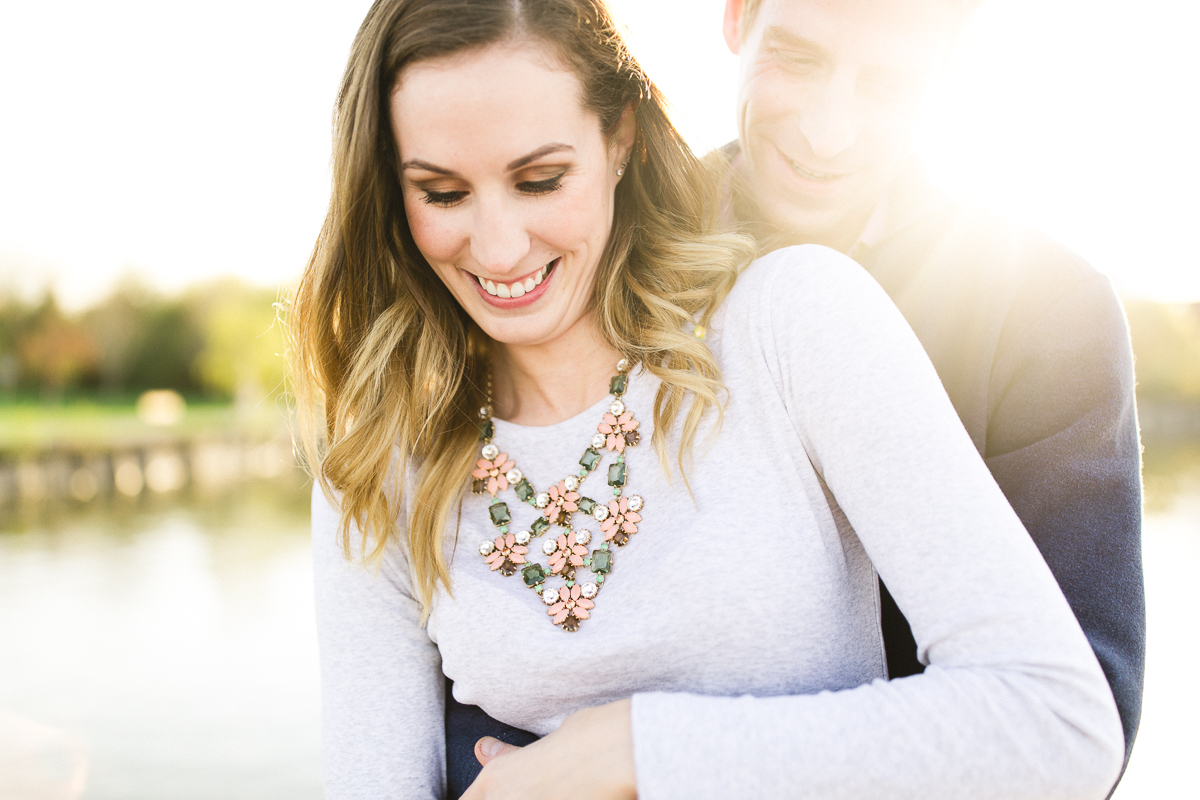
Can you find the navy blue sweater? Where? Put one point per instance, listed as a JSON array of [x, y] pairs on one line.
[[1032, 347]]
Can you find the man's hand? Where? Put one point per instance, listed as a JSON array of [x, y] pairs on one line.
[[590, 757]]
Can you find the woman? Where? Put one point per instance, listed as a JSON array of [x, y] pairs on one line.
[[620, 500]]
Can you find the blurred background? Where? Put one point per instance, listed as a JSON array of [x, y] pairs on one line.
[[163, 175]]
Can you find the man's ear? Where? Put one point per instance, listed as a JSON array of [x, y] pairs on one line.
[[732, 27]]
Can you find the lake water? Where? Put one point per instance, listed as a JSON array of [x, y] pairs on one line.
[[168, 652]]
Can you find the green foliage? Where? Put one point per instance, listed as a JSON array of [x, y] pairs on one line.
[[1166, 348], [219, 340]]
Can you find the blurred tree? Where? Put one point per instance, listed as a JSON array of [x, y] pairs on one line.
[[55, 351], [243, 343], [1166, 347]]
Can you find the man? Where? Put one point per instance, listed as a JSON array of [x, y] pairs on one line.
[[1029, 341]]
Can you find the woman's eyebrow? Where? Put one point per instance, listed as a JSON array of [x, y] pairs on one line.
[[544, 150], [416, 163]]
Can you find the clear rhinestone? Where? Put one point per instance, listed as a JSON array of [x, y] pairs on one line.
[[514, 475], [487, 547], [549, 596], [635, 503], [549, 546], [542, 500], [589, 590], [617, 408], [600, 513], [583, 537], [523, 537], [485, 412], [571, 482], [623, 365], [598, 441], [490, 451]]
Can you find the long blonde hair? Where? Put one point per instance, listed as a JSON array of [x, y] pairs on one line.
[[387, 368]]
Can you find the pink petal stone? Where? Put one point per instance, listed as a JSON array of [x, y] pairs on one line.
[[520, 549], [614, 507], [570, 507], [576, 560], [510, 540], [633, 516], [603, 428], [557, 607], [500, 459], [628, 527], [628, 415], [624, 504], [479, 473], [609, 534], [560, 616], [608, 524], [502, 482], [562, 541], [492, 486], [496, 565], [581, 614], [585, 603], [499, 541], [611, 441], [631, 425], [483, 464], [553, 493], [579, 549], [620, 444], [496, 556], [517, 559], [575, 592], [610, 419]]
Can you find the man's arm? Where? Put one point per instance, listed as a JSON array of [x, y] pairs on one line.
[[1063, 445]]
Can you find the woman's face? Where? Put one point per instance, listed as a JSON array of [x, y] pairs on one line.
[[508, 185]]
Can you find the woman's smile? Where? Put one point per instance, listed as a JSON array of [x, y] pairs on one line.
[[518, 293]]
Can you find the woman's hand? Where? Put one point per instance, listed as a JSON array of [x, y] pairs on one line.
[[590, 757]]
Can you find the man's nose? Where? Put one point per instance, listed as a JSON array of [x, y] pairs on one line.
[[829, 122], [500, 239]]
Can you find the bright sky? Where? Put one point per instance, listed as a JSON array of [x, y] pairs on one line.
[[184, 141]]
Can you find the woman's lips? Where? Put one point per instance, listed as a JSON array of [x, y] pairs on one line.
[[519, 293]]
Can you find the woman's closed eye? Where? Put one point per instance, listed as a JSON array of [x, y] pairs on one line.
[[444, 199], [545, 186]]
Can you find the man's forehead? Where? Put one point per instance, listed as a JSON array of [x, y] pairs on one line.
[[878, 31]]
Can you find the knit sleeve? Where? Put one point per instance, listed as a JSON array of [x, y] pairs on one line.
[[381, 680], [1013, 703]]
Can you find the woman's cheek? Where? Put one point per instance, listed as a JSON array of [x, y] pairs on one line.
[[433, 236]]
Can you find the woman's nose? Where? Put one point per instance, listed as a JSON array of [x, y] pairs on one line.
[[500, 239]]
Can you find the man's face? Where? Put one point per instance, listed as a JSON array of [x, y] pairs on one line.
[[830, 97]]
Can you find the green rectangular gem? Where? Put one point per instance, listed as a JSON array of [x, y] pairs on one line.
[[587, 505], [533, 574], [487, 430], [539, 526], [591, 457], [524, 491], [602, 561], [500, 515], [618, 384], [616, 474]]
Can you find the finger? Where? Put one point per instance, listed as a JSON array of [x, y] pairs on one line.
[[489, 748]]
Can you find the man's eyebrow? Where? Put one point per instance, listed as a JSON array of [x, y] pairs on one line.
[[544, 150], [781, 36]]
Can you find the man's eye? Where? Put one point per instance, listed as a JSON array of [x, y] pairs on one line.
[[540, 187], [443, 198], [794, 62]]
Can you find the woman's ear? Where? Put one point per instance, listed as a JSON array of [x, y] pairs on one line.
[[625, 135]]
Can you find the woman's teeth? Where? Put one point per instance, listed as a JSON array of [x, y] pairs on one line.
[[517, 288]]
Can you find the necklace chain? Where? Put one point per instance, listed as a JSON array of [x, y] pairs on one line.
[[508, 554]]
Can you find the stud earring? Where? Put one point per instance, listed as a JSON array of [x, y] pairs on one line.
[[620, 170]]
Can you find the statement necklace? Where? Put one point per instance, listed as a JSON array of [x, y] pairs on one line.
[[569, 603]]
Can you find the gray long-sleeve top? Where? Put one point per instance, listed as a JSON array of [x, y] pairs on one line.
[[745, 622]]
